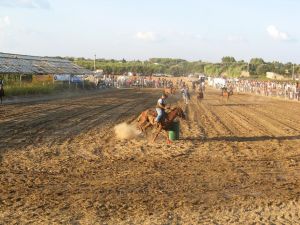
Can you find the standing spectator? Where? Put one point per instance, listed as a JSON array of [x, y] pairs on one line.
[[185, 94]]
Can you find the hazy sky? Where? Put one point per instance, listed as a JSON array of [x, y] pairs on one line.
[[140, 29]]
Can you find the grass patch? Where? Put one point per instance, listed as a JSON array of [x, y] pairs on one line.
[[30, 89], [40, 88]]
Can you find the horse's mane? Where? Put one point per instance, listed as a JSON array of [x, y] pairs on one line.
[[174, 108]]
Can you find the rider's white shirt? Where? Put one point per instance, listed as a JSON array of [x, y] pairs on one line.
[[161, 101]]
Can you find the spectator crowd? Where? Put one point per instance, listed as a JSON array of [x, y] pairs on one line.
[[284, 89], [134, 81]]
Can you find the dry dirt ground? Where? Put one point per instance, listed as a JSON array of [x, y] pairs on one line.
[[237, 162]]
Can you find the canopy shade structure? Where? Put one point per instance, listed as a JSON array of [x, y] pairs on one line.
[[24, 64]]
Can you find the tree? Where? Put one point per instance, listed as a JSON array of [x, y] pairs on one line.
[[278, 67], [179, 67], [213, 69], [177, 70], [254, 63], [228, 60], [262, 69], [257, 61], [197, 67]]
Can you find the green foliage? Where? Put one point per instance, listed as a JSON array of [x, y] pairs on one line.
[[235, 70], [262, 69], [228, 60], [257, 61], [29, 89], [180, 67], [213, 69]]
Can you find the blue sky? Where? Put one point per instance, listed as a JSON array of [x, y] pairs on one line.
[[140, 29]]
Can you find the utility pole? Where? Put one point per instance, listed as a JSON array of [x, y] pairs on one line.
[[95, 62], [293, 71]]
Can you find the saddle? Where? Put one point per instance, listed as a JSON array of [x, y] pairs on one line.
[[153, 113]]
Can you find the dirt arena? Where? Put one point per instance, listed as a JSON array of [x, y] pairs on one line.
[[237, 162]]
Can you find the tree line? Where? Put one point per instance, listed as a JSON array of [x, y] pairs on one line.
[[228, 67]]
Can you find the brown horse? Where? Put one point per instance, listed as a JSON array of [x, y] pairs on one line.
[[147, 119], [226, 93], [200, 96]]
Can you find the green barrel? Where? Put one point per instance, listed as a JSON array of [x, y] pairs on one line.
[[174, 131]]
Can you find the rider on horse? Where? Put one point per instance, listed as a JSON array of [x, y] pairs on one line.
[[223, 89], [160, 108]]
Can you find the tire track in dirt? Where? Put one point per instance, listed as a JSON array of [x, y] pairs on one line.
[[264, 168], [264, 121], [28, 109], [32, 108], [200, 179], [16, 133], [233, 121], [275, 112], [126, 112], [43, 122]]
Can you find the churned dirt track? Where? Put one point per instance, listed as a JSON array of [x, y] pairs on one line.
[[238, 162]]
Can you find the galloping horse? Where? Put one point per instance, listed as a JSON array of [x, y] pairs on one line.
[[147, 119], [200, 95], [200, 92], [226, 93]]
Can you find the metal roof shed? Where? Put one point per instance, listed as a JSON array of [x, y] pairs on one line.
[[24, 64]]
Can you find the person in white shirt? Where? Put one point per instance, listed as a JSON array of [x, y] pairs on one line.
[[161, 107]]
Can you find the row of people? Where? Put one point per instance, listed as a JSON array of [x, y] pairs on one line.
[[290, 90]]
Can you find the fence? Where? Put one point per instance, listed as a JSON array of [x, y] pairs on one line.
[[141, 82], [285, 90]]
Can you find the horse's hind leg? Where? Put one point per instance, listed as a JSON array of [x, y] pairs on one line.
[[146, 126], [140, 125], [141, 121]]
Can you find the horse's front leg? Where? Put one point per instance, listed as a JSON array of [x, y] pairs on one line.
[[166, 133], [156, 134]]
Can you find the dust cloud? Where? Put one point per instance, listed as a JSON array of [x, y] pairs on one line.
[[126, 131]]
